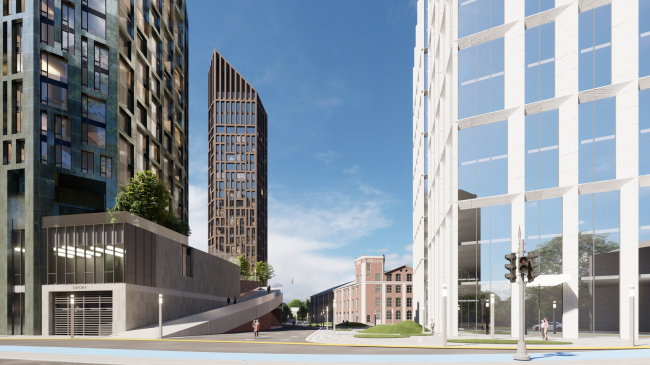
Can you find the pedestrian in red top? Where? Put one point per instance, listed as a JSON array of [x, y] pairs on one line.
[[256, 328]]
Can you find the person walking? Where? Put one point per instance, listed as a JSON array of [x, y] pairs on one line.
[[268, 289], [545, 329], [228, 300], [234, 301], [432, 325], [253, 325], [257, 328]]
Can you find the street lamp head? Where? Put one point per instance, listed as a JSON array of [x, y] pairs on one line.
[[444, 290], [159, 298], [631, 290]]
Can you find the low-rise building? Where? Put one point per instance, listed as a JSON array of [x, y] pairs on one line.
[[375, 296]]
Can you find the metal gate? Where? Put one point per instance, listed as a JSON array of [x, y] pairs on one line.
[[93, 315]]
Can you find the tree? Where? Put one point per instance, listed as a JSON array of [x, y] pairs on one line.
[[296, 303], [286, 312], [264, 271], [302, 312], [147, 197], [244, 266]]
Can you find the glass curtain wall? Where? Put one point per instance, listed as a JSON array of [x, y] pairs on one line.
[[540, 62], [644, 38], [542, 150], [644, 257], [595, 57], [480, 79], [91, 254], [644, 132], [544, 235], [483, 161], [484, 240], [478, 15], [598, 266], [597, 134], [537, 6]]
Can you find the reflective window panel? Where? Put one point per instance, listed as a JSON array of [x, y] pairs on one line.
[[644, 38], [542, 151], [644, 132], [597, 136], [540, 63], [595, 58], [538, 6], [480, 78], [484, 240], [478, 15], [483, 161], [599, 263]]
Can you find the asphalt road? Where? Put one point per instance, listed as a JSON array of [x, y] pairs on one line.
[[247, 345]]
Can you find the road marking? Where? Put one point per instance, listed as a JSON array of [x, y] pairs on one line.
[[530, 347]]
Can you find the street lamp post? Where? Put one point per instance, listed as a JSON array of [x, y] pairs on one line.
[[521, 344], [327, 317], [554, 324], [491, 315], [72, 316], [632, 294], [334, 321], [487, 329], [160, 316], [444, 314]]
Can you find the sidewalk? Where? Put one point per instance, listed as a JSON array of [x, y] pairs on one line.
[[347, 337]]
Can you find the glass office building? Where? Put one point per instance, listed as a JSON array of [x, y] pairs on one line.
[[93, 92], [533, 119]]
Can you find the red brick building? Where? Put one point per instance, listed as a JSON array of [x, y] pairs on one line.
[[376, 295]]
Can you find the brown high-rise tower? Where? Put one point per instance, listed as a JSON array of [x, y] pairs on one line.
[[237, 130]]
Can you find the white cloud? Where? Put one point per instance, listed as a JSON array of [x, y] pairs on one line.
[[199, 217], [352, 170], [327, 157], [409, 248], [394, 260], [306, 236]]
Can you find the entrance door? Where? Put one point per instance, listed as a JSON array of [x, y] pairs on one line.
[[93, 313]]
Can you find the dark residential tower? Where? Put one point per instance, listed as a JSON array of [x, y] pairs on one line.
[[237, 181], [93, 91]]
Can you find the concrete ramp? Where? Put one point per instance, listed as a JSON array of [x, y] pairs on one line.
[[214, 321]]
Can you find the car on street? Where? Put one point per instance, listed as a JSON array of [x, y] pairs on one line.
[[550, 327]]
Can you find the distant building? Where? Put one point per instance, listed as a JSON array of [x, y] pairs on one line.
[[237, 130], [375, 296]]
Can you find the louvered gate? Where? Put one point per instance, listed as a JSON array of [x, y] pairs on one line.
[[93, 314]]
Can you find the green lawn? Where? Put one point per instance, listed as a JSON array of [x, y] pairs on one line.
[[343, 329], [380, 336], [408, 328], [510, 342]]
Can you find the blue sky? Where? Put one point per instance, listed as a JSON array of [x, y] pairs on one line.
[[335, 78]]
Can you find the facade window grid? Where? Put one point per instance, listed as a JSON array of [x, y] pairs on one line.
[[595, 58], [101, 69], [597, 151], [644, 130], [67, 28], [93, 17], [540, 62], [537, 6], [542, 150], [47, 22], [644, 38]]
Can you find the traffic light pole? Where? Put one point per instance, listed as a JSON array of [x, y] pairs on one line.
[[521, 345]]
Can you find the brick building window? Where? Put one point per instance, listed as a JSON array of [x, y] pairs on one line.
[[377, 277], [389, 302], [389, 289], [409, 315], [409, 289], [377, 288], [389, 277], [398, 289], [398, 315], [398, 302], [409, 302], [398, 277], [389, 315], [368, 318], [409, 277], [367, 267], [377, 302]]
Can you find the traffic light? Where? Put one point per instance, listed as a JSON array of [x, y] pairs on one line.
[[523, 265], [511, 266], [532, 265]]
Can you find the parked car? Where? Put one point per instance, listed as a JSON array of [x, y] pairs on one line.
[[550, 327]]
